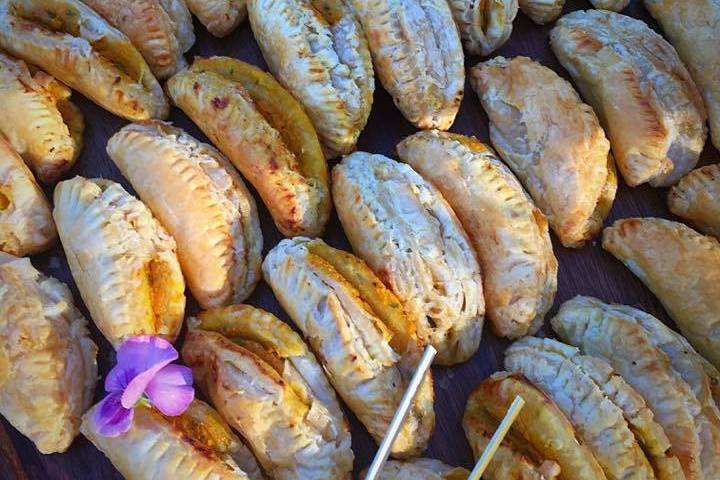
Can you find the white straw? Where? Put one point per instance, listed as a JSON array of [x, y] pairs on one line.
[[497, 438], [392, 432]]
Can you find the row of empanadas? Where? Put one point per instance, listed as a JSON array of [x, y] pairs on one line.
[[696, 198]]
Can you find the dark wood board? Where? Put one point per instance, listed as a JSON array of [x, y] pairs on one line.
[[588, 271]]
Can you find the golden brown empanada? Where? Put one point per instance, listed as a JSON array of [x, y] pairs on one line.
[[265, 383], [418, 57], [196, 445], [78, 47], [26, 223], [692, 27], [642, 93], [420, 469], [407, 233], [318, 51], [484, 26], [552, 141], [38, 120], [123, 261], [613, 5], [220, 17], [265, 133], [200, 199], [696, 198], [359, 331], [542, 11], [161, 35], [509, 233], [681, 267], [47, 358]]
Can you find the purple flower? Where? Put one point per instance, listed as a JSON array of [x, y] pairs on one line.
[[143, 373]]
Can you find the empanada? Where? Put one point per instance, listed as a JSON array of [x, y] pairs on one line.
[[47, 358], [509, 233], [360, 333], [38, 120], [318, 51], [681, 267], [265, 133], [26, 223], [197, 445], [692, 27], [266, 384], [613, 5], [552, 141], [161, 34], [541, 435], [123, 261], [696, 198], [418, 57], [600, 423], [605, 331], [542, 11], [200, 199], [78, 47], [484, 26], [220, 17], [420, 469], [642, 93], [407, 233]]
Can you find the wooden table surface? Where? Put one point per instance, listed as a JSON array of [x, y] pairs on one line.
[[588, 271]]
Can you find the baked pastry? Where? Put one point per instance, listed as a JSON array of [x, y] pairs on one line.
[[552, 141], [407, 233], [161, 30], [541, 443], [318, 51], [196, 445], [47, 358], [691, 26], [26, 224], [420, 469], [38, 120], [418, 57], [681, 268], [123, 261], [609, 332], [641, 91], [220, 17], [77, 46], [196, 194], [484, 26], [613, 5], [265, 133], [509, 233], [266, 384], [696, 198], [542, 11], [359, 331]]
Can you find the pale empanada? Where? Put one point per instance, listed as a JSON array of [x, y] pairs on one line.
[[542, 11], [420, 469], [38, 120], [614, 5], [360, 333], [265, 133], [26, 223], [200, 199], [643, 94], [605, 331], [681, 267], [161, 34], [552, 141], [696, 198], [318, 51], [220, 17], [509, 233], [418, 57], [484, 26], [405, 230], [692, 27], [264, 381], [47, 358], [600, 423], [196, 445], [78, 47], [123, 261]]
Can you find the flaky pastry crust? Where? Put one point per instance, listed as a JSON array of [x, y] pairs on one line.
[[484, 26], [696, 198], [220, 17]]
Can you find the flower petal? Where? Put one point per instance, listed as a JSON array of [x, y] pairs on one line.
[[110, 418], [139, 359], [171, 390]]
